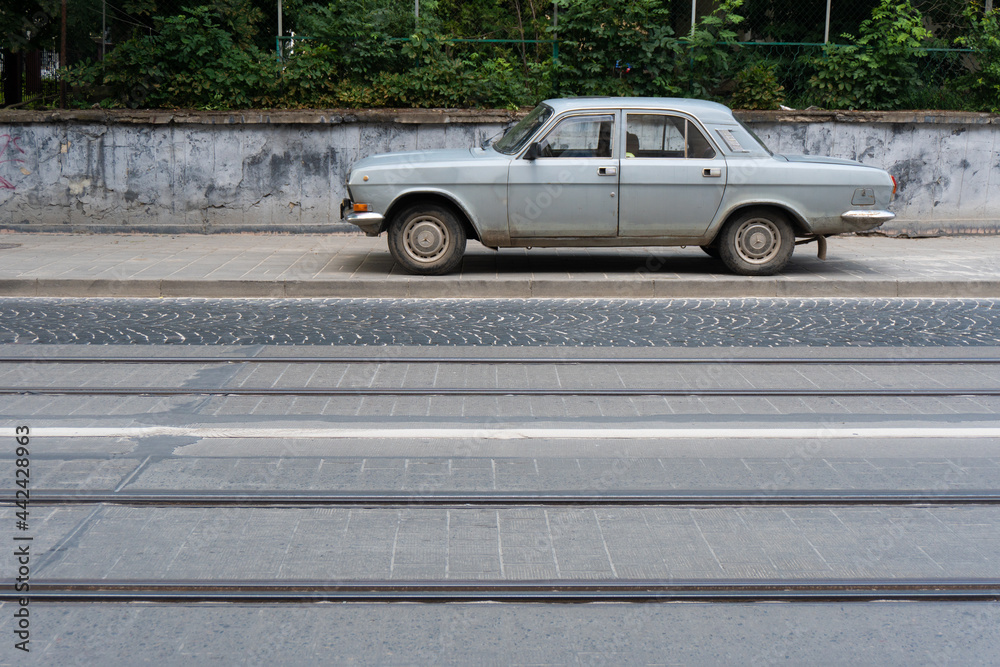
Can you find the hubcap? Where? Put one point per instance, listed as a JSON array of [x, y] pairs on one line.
[[425, 238], [758, 241]]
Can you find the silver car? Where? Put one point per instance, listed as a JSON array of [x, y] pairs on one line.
[[611, 171]]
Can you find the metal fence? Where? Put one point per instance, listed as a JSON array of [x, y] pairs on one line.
[[28, 77]]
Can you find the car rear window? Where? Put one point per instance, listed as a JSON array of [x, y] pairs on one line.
[[665, 136]]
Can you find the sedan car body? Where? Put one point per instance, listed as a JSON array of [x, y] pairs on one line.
[[615, 172]]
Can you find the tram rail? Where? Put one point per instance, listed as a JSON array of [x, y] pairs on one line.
[[495, 391], [562, 590], [693, 498], [480, 361]]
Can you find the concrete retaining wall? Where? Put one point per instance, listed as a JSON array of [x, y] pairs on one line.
[[218, 171]]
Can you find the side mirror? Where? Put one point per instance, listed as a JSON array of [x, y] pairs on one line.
[[532, 153]]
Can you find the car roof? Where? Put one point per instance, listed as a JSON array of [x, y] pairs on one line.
[[707, 112]]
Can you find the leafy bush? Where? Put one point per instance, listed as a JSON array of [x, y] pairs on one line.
[[709, 56], [354, 35], [757, 87], [438, 79], [984, 39], [609, 47], [191, 60], [350, 60], [371, 53], [878, 69]]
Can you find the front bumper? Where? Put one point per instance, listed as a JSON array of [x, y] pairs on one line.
[[369, 222], [860, 220]]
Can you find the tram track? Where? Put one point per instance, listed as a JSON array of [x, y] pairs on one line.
[[563, 590], [496, 391], [547, 591], [498, 499], [575, 361]]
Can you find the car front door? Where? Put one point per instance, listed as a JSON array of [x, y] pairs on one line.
[[672, 177], [570, 189]]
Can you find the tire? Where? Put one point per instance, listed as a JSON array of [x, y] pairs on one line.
[[711, 250], [427, 239], [756, 243]]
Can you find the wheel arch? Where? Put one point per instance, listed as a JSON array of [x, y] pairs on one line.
[[408, 199], [799, 224]]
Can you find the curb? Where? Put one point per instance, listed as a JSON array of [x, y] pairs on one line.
[[437, 288]]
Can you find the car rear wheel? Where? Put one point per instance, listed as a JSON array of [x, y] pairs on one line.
[[756, 243], [427, 239]]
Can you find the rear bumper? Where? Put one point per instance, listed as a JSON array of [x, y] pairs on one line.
[[866, 219], [370, 223]]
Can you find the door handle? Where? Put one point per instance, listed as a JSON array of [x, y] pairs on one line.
[[607, 171], [713, 172]]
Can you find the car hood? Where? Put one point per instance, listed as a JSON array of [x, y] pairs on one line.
[[420, 157], [819, 159]]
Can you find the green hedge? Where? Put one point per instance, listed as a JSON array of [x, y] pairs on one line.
[[368, 53]]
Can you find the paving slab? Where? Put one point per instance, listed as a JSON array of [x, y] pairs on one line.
[[527, 543], [293, 473], [353, 265], [880, 633]]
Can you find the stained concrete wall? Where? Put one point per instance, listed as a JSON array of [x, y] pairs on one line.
[[211, 171]]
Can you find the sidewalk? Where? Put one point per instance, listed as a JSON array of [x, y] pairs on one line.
[[347, 265]]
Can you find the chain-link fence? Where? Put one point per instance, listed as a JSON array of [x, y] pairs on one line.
[[790, 34], [786, 34]]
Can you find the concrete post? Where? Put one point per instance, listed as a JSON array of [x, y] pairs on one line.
[[826, 28], [62, 59]]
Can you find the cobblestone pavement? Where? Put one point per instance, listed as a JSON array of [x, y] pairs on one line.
[[619, 323]]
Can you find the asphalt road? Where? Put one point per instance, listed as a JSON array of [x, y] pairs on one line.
[[711, 464]]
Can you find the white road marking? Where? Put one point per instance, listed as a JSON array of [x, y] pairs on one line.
[[831, 433]]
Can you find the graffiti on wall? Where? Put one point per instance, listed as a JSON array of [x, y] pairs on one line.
[[8, 144]]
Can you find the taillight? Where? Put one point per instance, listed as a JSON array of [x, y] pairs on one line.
[[895, 184]]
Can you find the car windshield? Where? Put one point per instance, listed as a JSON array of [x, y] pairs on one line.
[[516, 136]]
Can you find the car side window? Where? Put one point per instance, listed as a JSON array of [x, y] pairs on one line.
[[664, 136], [579, 136]]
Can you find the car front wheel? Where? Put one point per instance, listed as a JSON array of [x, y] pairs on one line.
[[427, 239], [756, 243]]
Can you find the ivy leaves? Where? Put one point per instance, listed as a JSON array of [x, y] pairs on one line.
[[878, 69]]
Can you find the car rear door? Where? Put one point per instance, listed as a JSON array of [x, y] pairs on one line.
[[672, 177]]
